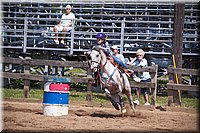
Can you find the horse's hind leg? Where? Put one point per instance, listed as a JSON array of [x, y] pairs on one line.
[[128, 93]]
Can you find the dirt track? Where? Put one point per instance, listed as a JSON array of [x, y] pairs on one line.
[[26, 115]]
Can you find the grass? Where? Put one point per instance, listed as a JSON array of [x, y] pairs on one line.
[[97, 97]]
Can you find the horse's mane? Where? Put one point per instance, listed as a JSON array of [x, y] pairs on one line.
[[100, 50], [97, 48]]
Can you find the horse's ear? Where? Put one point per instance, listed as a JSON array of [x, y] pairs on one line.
[[95, 48]]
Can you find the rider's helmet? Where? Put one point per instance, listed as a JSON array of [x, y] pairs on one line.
[[101, 36]]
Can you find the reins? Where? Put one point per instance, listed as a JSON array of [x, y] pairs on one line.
[[100, 75]]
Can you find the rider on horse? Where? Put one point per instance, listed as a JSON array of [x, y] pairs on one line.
[[106, 73], [103, 44]]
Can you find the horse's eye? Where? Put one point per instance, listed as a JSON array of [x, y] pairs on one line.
[[97, 56]]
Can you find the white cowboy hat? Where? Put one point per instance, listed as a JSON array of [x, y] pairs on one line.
[[114, 47], [68, 6]]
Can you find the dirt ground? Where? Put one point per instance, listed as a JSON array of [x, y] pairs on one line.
[[23, 115]]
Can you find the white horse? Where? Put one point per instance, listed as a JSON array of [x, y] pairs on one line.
[[111, 79]]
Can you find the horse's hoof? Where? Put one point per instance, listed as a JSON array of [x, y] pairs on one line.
[[123, 111], [116, 105]]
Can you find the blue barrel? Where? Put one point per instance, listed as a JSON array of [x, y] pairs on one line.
[[55, 103], [55, 97]]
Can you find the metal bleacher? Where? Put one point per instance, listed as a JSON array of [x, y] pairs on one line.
[[28, 26]]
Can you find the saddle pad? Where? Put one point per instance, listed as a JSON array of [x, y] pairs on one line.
[[59, 87]]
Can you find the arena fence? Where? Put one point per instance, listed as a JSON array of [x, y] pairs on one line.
[[39, 70], [175, 86]]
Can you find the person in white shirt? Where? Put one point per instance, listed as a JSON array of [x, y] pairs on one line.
[[64, 25], [142, 76]]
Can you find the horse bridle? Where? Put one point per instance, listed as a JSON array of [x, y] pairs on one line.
[[99, 68], [99, 62]]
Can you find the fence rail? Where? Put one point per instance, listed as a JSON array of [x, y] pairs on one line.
[[153, 70], [175, 86], [31, 67]]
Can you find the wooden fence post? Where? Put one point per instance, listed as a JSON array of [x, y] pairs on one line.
[[173, 96], [26, 81], [170, 92], [153, 99], [89, 87]]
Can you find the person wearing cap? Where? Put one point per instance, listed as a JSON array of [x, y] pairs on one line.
[[141, 76], [103, 44], [64, 25], [114, 49]]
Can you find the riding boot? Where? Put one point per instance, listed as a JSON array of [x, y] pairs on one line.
[[94, 84]]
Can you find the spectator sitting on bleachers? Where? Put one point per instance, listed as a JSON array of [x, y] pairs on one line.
[[64, 25]]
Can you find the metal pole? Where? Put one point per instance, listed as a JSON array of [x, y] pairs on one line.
[[25, 34], [122, 36], [72, 38]]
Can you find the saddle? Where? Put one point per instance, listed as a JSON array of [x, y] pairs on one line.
[[128, 72]]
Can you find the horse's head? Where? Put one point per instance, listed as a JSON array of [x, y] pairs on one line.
[[95, 59]]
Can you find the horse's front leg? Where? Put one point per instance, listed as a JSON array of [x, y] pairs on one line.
[[122, 104], [130, 98]]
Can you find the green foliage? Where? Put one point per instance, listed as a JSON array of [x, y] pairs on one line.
[[161, 100], [162, 82], [75, 95], [18, 93], [190, 102], [12, 93], [77, 70], [36, 94], [162, 87]]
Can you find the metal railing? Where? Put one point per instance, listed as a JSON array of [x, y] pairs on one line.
[[82, 35], [133, 28]]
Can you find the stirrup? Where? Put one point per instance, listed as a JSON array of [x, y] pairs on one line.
[[127, 72]]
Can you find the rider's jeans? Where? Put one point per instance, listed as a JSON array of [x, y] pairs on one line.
[[120, 62]]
